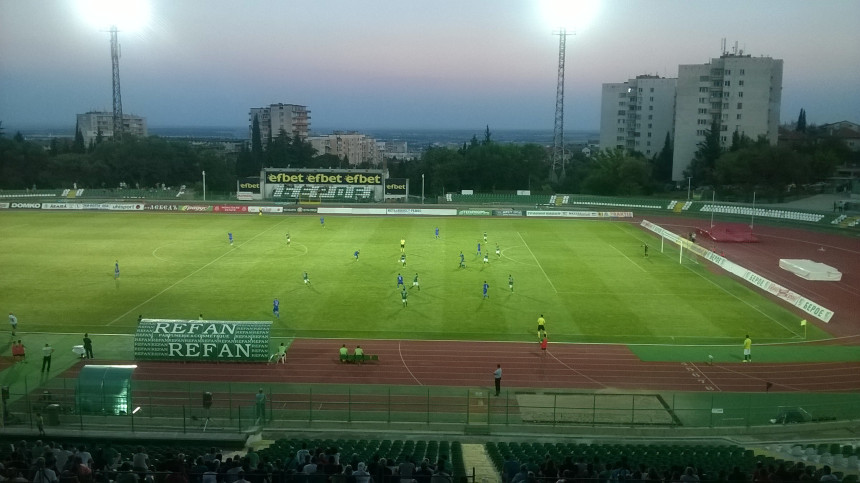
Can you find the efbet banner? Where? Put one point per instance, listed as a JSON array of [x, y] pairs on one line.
[[322, 177], [250, 185], [396, 186]]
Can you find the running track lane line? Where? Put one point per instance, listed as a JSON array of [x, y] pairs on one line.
[[577, 372], [400, 352], [538, 262], [793, 388], [150, 299], [706, 377]]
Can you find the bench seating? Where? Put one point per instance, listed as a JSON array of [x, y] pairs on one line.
[[352, 358]]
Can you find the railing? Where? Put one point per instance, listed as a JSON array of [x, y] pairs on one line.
[[179, 406]]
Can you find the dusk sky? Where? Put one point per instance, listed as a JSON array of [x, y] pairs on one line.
[[405, 64]]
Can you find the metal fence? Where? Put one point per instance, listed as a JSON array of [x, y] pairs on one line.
[[182, 406]]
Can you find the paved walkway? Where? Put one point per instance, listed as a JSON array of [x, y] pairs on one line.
[[475, 456]]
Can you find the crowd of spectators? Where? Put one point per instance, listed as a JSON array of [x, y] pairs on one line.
[[580, 470], [51, 462]]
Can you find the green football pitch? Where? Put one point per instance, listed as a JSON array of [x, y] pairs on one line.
[[590, 279]]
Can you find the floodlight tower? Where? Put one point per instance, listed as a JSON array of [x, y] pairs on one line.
[[558, 128], [117, 95]]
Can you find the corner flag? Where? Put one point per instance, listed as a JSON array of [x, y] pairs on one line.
[[803, 323]]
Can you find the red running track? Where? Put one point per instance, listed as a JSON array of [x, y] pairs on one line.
[[471, 364]]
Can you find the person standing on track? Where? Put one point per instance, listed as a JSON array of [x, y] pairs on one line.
[[747, 349], [88, 346], [13, 321], [541, 325], [47, 351], [497, 378]]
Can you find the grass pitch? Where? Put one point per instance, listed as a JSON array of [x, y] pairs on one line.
[[590, 279]]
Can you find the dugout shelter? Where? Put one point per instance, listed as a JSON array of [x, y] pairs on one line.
[[104, 389]]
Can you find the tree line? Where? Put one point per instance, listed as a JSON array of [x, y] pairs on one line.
[[483, 165]]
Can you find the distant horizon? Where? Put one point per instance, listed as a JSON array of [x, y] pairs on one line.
[[70, 127]]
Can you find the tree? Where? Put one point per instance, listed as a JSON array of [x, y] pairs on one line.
[[78, 146], [701, 168], [801, 121], [256, 143], [740, 141], [617, 172], [663, 161], [487, 136]]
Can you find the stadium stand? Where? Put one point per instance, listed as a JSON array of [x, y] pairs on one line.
[[369, 452], [710, 462]]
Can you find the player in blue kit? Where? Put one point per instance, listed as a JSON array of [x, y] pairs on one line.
[[322, 221], [356, 255], [437, 232], [276, 308], [486, 290], [116, 270], [400, 281], [230, 237], [462, 260], [479, 249]]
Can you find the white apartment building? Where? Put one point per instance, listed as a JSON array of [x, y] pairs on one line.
[[636, 115], [292, 118], [355, 147], [741, 92], [92, 122]]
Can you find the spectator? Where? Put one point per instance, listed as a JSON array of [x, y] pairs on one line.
[[211, 473], [424, 473], [522, 475], [548, 468], [140, 461], [441, 476], [360, 474], [125, 475], [41, 474], [405, 470], [827, 476], [510, 469], [689, 476]]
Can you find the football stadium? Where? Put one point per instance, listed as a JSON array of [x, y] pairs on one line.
[[474, 338]]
